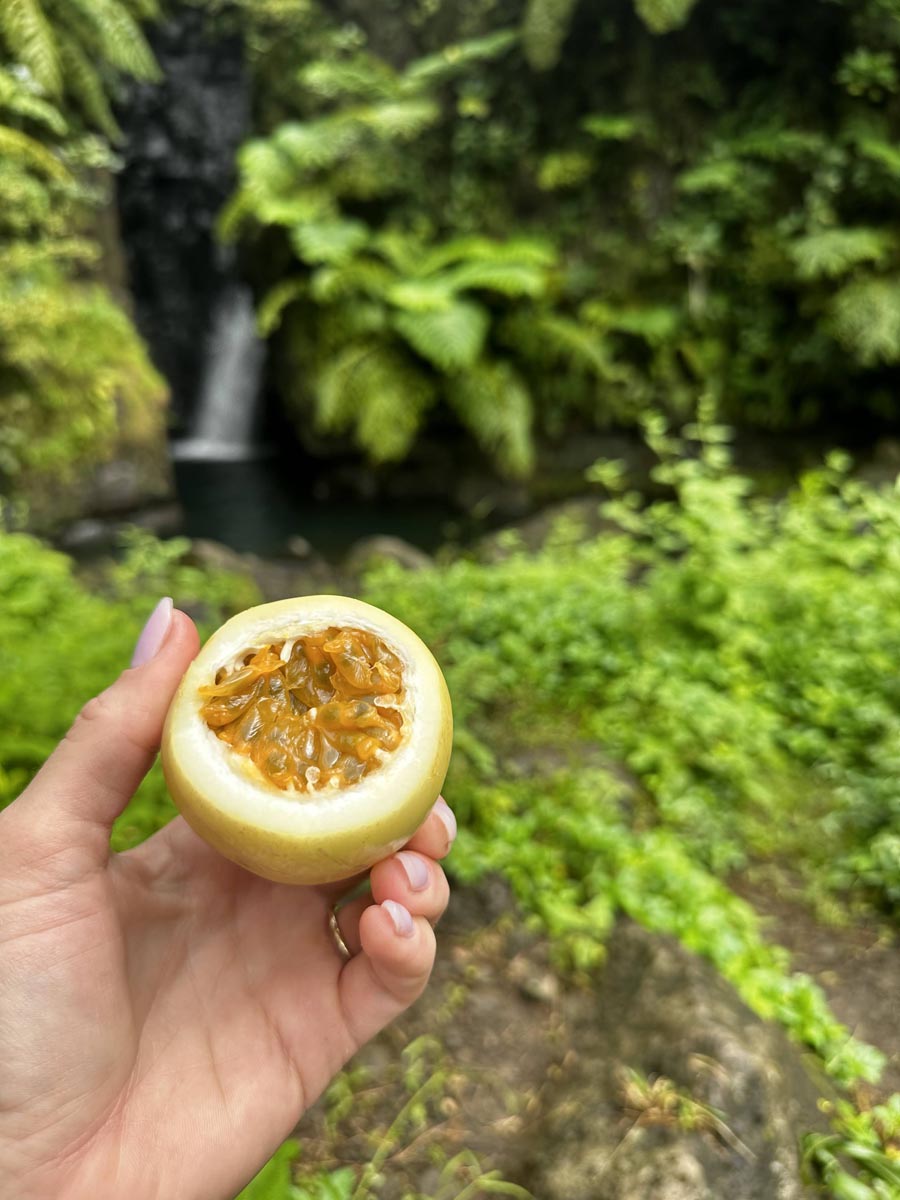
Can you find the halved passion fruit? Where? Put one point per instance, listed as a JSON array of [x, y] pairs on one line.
[[309, 738]]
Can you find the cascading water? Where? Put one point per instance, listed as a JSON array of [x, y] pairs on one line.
[[226, 421], [182, 136]]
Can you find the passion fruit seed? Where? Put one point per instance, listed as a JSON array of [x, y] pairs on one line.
[[321, 710]]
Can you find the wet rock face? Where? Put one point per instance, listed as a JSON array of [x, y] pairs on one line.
[[663, 1012], [181, 138]]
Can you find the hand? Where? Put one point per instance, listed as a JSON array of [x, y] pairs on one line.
[[165, 1016]]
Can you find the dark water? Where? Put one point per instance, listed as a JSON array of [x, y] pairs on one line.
[[252, 506]]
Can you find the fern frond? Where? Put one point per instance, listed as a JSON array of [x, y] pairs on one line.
[[401, 120], [118, 38], [662, 16], [530, 251], [29, 35], [546, 337], [866, 319], [333, 241], [544, 29], [362, 75], [19, 101], [451, 339], [84, 83], [492, 401], [271, 308], [454, 60], [313, 145], [374, 390], [655, 323], [359, 277], [19, 146], [833, 252], [509, 279]]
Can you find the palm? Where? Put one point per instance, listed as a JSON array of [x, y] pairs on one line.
[[220, 1002], [165, 1016]]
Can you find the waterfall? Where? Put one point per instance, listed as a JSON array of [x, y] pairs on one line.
[[225, 424]]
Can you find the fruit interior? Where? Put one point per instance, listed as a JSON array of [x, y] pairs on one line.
[[319, 710]]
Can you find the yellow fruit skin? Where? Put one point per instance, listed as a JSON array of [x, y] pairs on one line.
[[300, 857]]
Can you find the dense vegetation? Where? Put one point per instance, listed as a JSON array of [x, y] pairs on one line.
[[551, 215], [73, 372]]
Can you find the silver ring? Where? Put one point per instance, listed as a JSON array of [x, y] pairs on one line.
[[343, 948]]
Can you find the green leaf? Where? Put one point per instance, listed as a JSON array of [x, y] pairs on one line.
[[451, 338], [611, 127], [453, 60], [662, 16], [544, 29], [274, 1180], [833, 252], [29, 35], [375, 390], [493, 402], [866, 318], [275, 301], [332, 241], [18, 145]]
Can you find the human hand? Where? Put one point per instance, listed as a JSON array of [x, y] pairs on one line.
[[165, 1016]]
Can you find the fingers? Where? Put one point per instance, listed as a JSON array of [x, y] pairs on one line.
[[389, 973], [435, 835], [407, 878], [92, 774]]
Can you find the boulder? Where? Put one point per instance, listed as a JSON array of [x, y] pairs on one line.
[[382, 547], [668, 1016]]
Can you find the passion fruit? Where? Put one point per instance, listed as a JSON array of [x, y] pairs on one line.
[[309, 738]]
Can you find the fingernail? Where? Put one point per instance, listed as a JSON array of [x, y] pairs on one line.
[[416, 870], [404, 926], [154, 633], [445, 812]]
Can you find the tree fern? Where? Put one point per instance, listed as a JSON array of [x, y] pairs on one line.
[[451, 338], [492, 401], [866, 318], [373, 390], [834, 252], [115, 34]]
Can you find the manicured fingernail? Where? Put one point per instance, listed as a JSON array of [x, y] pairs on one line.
[[416, 870], [404, 925], [445, 812], [154, 633]]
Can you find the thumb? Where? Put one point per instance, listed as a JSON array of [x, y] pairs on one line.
[[93, 773]]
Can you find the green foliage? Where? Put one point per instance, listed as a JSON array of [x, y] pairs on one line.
[[74, 376], [65, 642], [664, 162], [273, 1182], [741, 693], [858, 1160]]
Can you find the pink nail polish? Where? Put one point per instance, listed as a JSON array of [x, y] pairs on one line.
[[416, 870], [154, 633], [404, 926], [445, 812]]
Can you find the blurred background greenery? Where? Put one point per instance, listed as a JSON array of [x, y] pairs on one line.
[[569, 333]]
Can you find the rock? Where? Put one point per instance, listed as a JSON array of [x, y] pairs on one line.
[[215, 556], [90, 535], [665, 1013], [299, 547], [368, 550]]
